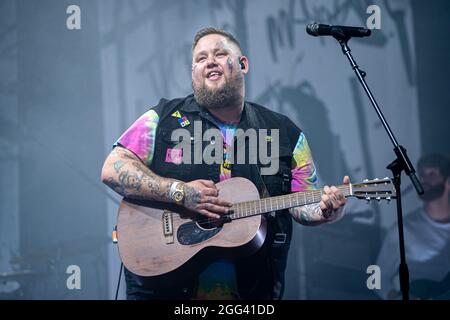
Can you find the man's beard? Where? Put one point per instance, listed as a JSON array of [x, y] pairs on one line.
[[215, 98], [433, 192]]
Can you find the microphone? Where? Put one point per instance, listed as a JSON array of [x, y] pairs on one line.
[[339, 32]]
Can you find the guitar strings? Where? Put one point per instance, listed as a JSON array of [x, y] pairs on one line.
[[249, 208]]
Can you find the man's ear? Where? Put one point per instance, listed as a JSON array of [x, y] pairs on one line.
[[243, 62]]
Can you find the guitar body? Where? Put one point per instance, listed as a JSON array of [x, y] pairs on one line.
[[160, 241]]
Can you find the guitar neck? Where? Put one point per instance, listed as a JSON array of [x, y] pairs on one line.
[[257, 207]]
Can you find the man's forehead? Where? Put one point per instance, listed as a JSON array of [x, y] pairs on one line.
[[214, 41]]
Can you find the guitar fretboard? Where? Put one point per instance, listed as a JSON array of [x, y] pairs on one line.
[[256, 207]]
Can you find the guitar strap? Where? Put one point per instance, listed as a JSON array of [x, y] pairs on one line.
[[280, 224]]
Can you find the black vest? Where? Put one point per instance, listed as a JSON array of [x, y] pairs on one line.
[[260, 276]]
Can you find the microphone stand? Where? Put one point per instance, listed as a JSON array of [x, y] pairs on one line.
[[401, 163]]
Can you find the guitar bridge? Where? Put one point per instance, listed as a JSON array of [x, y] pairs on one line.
[[167, 224]]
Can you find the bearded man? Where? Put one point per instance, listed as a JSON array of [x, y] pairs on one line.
[[146, 164]]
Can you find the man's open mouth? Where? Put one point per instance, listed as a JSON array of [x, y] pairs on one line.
[[213, 75]]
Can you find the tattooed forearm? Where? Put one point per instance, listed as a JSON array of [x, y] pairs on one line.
[[312, 215], [159, 186], [309, 215], [127, 175]]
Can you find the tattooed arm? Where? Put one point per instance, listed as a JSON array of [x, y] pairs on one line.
[[312, 215], [125, 173]]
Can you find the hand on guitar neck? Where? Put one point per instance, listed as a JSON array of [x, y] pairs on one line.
[[329, 209], [333, 199]]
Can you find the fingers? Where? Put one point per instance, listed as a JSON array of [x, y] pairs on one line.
[[332, 199], [212, 211], [208, 183], [211, 196], [209, 214], [216, 201], [210, 205], [346, 180], [206, 201], [209, 192], [337, 195], [325, 204], [213, 208]]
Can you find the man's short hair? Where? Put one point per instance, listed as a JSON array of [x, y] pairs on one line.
[[436, 160], [210, 30]]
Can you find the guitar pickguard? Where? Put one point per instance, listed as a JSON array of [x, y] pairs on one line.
[[190, 233]]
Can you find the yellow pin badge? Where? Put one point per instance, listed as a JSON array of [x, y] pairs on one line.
[[176, 114]]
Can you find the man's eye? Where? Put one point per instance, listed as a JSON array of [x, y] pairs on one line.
[[201, 59]]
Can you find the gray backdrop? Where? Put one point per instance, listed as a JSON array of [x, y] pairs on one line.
[[67, 95]]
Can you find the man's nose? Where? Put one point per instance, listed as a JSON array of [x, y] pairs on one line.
[[211, 62]]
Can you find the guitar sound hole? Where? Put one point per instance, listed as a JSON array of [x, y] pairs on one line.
[[197, 231], [208, 224]]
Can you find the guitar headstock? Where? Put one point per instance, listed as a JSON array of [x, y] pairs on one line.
[[375, 189]]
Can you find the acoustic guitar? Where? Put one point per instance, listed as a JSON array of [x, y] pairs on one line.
[[162, 241]]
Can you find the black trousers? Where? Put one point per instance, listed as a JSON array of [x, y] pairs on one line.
[[136, 289]]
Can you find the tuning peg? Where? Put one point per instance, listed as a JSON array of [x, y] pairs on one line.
[[366, 180], [378, 199], [388, 199], [368, 199]]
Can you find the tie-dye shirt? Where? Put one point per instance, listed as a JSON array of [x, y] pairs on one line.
[[140, 139], [304, 176], [218, 281], [228, 132]]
